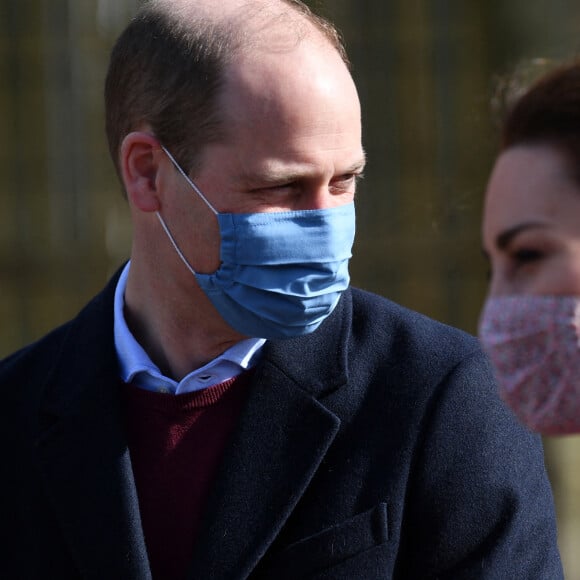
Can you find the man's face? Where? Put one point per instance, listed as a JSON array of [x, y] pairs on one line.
[[293, 129]]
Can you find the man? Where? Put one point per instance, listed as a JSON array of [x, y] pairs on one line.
[[227, 407]]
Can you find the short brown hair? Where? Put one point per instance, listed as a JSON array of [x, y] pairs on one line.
[[168, 72]]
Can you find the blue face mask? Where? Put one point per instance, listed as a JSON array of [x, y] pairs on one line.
[[281, 273]]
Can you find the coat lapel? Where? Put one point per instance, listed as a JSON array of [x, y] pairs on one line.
[[83, 454], [282, 437]]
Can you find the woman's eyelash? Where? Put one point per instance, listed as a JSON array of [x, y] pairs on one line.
[[526, 255]]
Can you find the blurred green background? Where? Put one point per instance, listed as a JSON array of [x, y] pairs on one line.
[[426, 71]]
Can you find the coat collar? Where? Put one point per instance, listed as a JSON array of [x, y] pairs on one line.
[[281, 439]]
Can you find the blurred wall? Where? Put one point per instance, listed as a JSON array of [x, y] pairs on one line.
[[425, 71]]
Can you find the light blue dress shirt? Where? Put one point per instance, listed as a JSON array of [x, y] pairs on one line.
[[139, 369]]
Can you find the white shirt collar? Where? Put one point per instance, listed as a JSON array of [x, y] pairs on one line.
[[139, 369]]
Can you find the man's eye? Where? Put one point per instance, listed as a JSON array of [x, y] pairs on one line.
[[350, 177], [282, 188], [288, 185], [345, 182]]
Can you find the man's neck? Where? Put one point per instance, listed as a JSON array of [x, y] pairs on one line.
[[179, 334]]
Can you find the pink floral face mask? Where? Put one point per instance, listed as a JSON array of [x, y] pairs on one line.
[[533, 343]]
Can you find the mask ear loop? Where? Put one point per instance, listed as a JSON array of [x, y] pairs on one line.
[[162, 221], [194, 187], [174, 244]]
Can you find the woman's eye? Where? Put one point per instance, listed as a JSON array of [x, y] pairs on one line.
[[526, 255]]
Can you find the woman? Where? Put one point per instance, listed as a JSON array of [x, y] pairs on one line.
[[530, 324]]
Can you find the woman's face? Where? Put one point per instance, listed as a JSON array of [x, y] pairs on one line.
[[531, 223]]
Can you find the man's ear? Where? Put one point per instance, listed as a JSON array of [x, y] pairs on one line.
[[139, 161]]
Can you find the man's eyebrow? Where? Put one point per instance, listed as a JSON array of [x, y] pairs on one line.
[[357, 167], [505, 238], [283, 175]]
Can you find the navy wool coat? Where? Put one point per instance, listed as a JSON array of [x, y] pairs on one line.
[[375, 447]]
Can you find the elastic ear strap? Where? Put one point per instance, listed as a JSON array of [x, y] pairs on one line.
[[174, 243], [194, 187]]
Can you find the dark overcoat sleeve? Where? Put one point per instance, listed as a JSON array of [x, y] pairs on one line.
[[479, 503]]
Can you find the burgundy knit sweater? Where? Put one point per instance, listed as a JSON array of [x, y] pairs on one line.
[[176, 443]]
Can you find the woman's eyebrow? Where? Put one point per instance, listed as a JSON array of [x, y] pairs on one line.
[[503, 240]]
